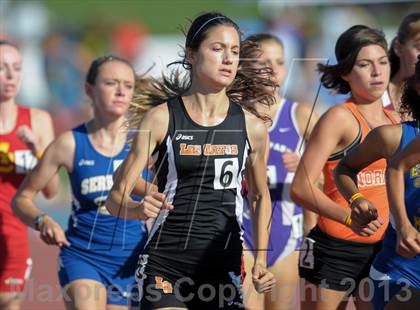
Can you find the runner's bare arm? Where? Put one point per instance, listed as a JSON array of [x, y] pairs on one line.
[[400, 163], [335, 130], [306, 120], [381, 142], [259, 197], [43, 128], [257, 179], [151, 133], [408, 244], [142, 187], [248, 176], [59, 153]]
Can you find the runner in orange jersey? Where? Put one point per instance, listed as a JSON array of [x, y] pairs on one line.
[[337, 253]]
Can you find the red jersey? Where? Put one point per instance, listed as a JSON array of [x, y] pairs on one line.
[[16, 160]]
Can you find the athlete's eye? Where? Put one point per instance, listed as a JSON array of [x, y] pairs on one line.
[[363, 64]]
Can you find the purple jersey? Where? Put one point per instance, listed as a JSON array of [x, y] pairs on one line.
[[287, 220]]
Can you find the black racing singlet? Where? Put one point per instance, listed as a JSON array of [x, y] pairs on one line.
[[200, 169]]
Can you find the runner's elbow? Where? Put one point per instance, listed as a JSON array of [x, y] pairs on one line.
[[296, 191], [112, 200]]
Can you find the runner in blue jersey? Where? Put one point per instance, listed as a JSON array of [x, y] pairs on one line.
[[287, 135], [395, 272], [98, 251]]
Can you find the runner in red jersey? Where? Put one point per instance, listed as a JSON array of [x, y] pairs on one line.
[[24, 134]]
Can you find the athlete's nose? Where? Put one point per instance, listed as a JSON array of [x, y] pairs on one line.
[[376, 71], [9, 74], [273, 67], [120, 90], [228, 57]]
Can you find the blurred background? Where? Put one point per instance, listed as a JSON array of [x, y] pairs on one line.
[[59, 39]]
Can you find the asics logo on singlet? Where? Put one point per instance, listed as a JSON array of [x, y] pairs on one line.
[[183, 137], [86, 162]]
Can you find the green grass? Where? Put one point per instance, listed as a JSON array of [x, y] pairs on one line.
[[159, 16]]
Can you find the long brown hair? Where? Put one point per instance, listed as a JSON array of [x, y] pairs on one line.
[[410, 98], [245, 90]]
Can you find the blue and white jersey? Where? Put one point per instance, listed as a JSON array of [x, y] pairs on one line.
[[388, 265], [90, 226], [410, 131]]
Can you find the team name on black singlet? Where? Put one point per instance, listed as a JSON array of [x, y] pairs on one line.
[[200, 169]]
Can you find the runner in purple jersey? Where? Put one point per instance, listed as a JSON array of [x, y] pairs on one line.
[[287, 133]]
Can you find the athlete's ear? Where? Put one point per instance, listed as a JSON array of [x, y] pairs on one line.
[[396, 47], [189, 55], [89, 90], [345, 77]]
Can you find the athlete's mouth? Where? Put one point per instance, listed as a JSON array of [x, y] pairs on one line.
[[226, 71], [377, 83]]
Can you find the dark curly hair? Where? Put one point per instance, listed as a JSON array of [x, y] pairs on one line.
[[410, 99], [347, 48]]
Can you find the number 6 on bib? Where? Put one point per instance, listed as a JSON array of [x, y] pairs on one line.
[[225, 173]]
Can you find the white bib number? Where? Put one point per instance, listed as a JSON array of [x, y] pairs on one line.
[[225, 173], [25, 161], [306, 256]]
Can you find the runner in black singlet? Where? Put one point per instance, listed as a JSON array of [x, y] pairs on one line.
[[204, 136]]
